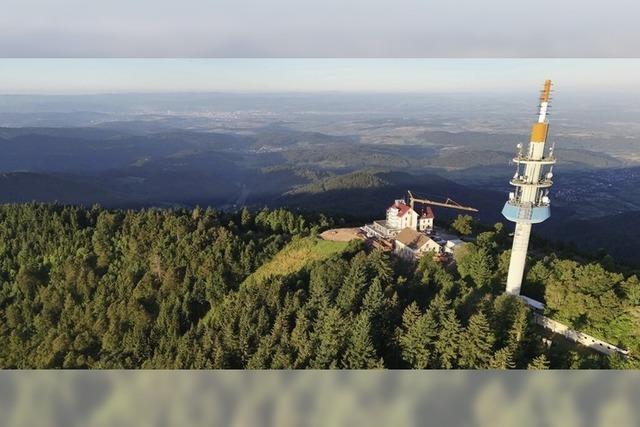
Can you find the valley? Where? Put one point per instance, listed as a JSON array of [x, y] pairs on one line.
[[344, 155]]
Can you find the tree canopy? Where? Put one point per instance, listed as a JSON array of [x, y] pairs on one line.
[[200, 288]]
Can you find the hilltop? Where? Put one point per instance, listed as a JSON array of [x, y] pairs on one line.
[[158, 288]]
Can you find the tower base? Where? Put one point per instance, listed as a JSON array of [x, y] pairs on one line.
[[518, 257]]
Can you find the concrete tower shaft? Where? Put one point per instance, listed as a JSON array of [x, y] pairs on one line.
[[529, 203]]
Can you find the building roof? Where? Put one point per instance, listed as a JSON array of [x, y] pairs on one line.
[[454, 244], [385, 224], [402, 208], [427, 213], [412, 238]]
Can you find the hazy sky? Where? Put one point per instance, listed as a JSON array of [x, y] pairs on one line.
[[319, 28], [81, 76]]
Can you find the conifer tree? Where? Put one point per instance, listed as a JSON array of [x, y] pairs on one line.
[[475, 262], [360, 352], [416, 338], [160, 288], [539, 363], [353, 286], [517, 332], [331, 339], [376, 306], [245, 217], [380, 264], [477, 343], [447, 342], [502, 359], [373, 302], [301, 340]]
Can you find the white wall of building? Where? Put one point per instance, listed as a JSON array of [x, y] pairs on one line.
[[411, 254], [425, 224]]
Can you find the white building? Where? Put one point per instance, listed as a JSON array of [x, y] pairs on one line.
[[411, 244], [381, 229], [425, 222], [400, 216]]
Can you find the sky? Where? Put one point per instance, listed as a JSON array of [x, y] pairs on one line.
[[93, 76], [319, 28]]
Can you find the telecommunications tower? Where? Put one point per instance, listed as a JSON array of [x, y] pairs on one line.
[[529, 202]]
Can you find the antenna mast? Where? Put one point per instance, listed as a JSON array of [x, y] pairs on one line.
[[529, 203]]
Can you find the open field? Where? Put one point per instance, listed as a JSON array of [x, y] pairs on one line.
[[341, 234], [296, 255]]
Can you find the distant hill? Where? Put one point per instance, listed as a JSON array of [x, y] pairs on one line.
[[477, 159], [464, 158], [276, 136], [157, 189], [16, 187], [577, 158], [128, 164], [507, 141], [96, 150], [88, 133], [618, 235], [359, 179], [366, 194]]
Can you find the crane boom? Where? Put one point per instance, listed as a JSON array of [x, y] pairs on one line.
[[446, 204]]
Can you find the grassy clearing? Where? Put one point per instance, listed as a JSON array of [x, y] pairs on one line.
[[293, 257]]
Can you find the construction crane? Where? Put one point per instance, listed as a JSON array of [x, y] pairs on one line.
[[446, 204]]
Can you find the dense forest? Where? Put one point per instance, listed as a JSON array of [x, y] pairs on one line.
[[162, 288]]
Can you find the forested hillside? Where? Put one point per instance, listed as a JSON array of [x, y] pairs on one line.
[[96, 288]]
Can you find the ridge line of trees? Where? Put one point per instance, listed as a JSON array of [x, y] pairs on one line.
[[96, 288]]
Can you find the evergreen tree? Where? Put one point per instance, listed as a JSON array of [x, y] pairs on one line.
[[446, 345], [380, 264], [477, 343], [301, 341], [374, 301], [360, 352], [518, 331], [540, 362], [416, 338], [174, 288], [331, 339], [475, 262], [245, 218], [377, 307], [502, 359], [353, 287]]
